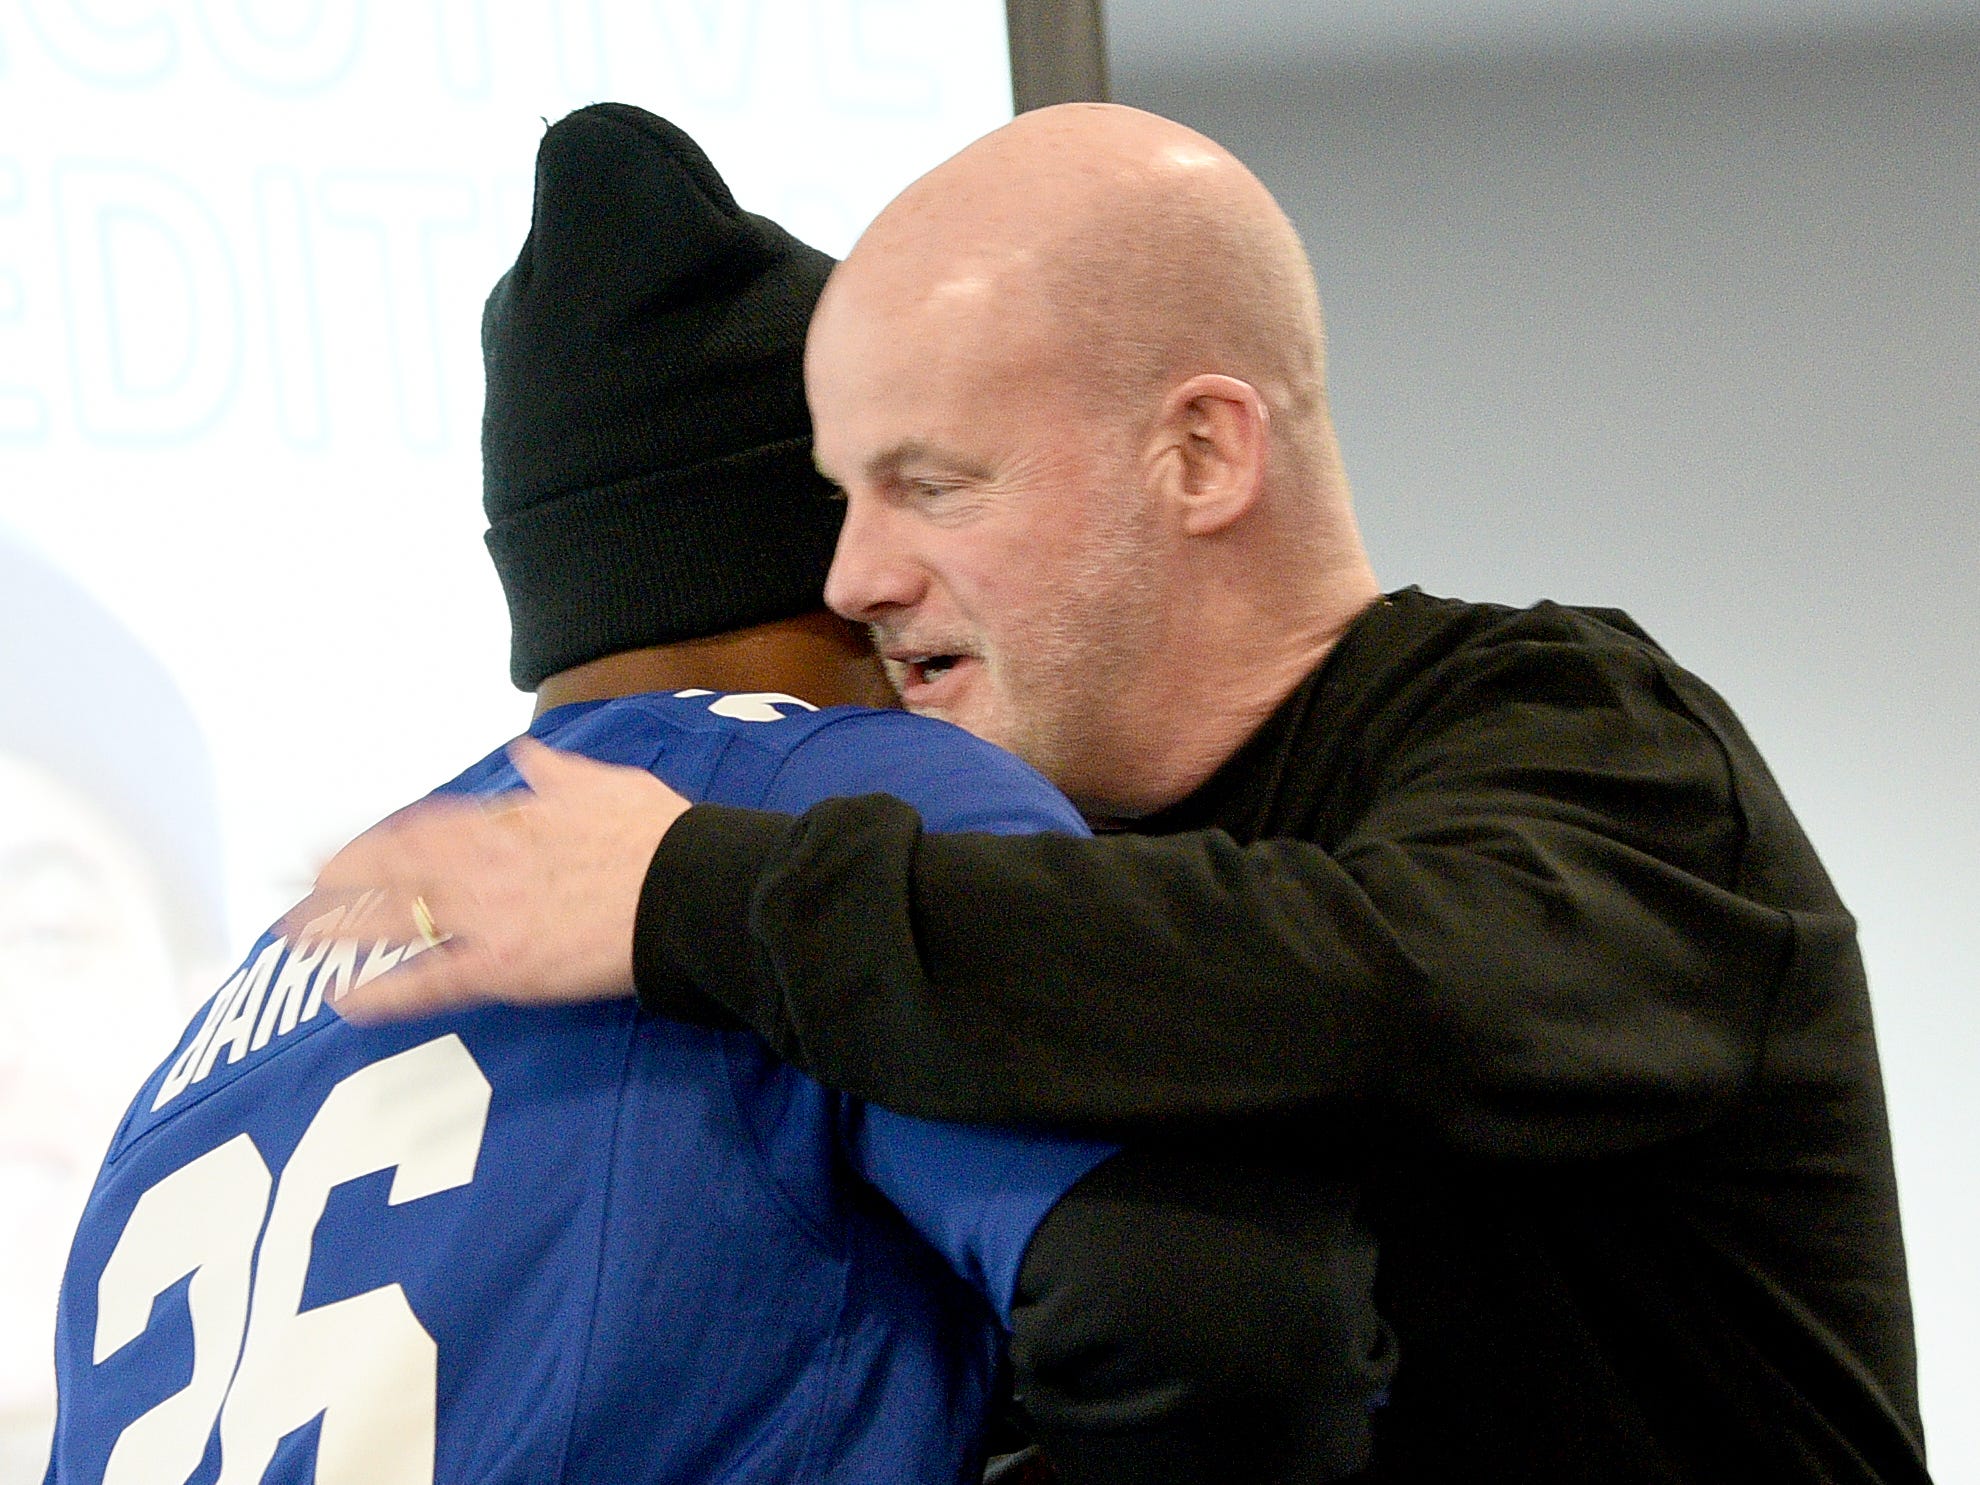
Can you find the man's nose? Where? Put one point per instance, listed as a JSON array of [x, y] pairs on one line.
[[873, 569]]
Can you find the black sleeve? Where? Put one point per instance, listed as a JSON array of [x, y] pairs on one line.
[[1182, 1318], [1526, 940]]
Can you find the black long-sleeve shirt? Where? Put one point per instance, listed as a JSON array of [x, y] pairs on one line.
[[1502, 913]]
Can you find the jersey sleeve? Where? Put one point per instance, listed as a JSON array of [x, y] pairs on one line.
[[975, 1193]]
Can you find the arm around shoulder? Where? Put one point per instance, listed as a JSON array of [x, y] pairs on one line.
[[1513, 912]]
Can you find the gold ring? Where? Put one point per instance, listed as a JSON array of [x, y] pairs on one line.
[[422, 917]]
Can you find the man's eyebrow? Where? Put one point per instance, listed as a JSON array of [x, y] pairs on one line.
[[892, 460]]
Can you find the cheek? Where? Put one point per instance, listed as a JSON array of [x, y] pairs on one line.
[[981, 582], [1020, 577]]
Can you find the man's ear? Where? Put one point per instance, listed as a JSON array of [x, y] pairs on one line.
[[1209, 450]]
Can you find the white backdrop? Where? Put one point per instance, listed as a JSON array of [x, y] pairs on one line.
[[243, 250]]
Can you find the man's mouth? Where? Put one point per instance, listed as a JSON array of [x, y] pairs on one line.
[[919, 677]]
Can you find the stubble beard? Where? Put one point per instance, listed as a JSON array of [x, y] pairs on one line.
[[1069, 686]]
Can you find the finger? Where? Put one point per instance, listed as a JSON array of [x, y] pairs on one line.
[[607, 790], [507, 807], [422, 841], [369, 917], [542, 767], [432, 982], [333, 912]]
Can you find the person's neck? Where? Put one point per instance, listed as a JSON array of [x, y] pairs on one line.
[[1211, 699], [817, 657]]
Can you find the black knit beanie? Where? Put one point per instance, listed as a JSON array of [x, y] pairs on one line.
[[646, 453]]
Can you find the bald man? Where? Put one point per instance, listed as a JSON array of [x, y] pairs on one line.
[[1497, 909]]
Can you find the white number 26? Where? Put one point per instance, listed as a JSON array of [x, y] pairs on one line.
[[262, 1365]]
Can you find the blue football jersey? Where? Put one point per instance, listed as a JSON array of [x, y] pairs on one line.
[[575, 1244]]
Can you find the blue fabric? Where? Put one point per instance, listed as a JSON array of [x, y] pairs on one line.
[[591, 1245]]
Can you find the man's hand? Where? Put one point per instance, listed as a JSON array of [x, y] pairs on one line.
[[527, 898]]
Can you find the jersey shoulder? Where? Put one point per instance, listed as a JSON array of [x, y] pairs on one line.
[[681, 737], [953, 780], [768, 750]]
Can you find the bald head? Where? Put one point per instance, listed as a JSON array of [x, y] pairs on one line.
[[1115, 249]]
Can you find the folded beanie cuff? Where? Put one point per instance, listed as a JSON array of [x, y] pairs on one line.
[[649, 560]]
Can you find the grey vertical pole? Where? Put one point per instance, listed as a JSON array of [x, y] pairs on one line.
[[1058, 52]]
